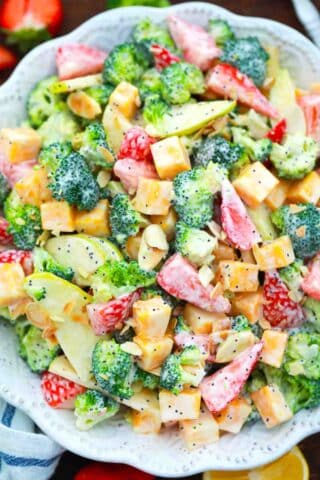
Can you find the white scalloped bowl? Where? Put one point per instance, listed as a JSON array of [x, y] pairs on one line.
[[165, 454]]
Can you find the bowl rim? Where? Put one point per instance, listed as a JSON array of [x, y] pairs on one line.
[[128, 458]]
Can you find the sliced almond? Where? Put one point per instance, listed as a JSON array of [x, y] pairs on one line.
[[149, 257], [81, 104], [206, 275], [132, 348], [103, 178], [155, 237]]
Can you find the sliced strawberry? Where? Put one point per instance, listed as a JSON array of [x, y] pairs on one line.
[[136, 145], [311, 282], [229, 82], [111, 471], [163, 57], [59, 392], [279, 309], [14, 171], [5, 237], [219, 389], [129, 171], [278, 132], [106, 317], [197, 45], [236, 222], [76, 60], [7, 58], [180, 279], [310, 105], [18, 256]]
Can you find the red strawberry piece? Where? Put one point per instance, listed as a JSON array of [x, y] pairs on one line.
[[219, 389], [197, 45], [311, 282], [277, 133], [5, 237], [59, 392], [28, 22], [310, 105], [14, 171], [106, 317], [180, 279], [7, 58], [236, 222], [229, 82], [18, 256], [136, 145], [111, 471], [76, 60], [279, 309], [163, 57], [129, 171]]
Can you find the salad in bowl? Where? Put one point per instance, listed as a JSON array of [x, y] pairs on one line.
[[160, 245]]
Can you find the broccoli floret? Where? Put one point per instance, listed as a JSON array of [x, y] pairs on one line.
[[95, 148], [181, 80], [74, 183], [303, 355], [100, 93], [302, 223], [146, 379], [240, 323], [113, 368], [42, 103], [150, 33], [248, 55], [24, 222], [256, 381], [256, 149], [4, 189], [156, 290], [125, 221], [21, 328], [194, 190], [37, 351], [60, 127], [92, 407], [181, 326], [126, 62], [195, 244], [173, 376], [292, 277], [256, 124], [295, 158], [220, 30], [150, 83], [44, 262], [217, 149], [51, 156], [154, 109], [312, 310], [114, 279]]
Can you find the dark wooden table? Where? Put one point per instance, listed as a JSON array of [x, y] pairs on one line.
[[77, 11]]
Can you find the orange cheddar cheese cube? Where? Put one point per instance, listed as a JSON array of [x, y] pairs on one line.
[[224, 252], [170, 157], [153, 197], [305, 190], [278, 195], [33, 188], [57, 216], [20, 144], [11, 283], [167, 223], [125, 98], [254, 184], [83, 105], [133, 246], [202, 431], [151, 317], [145, 422], [276, 254], [238, 276], [248, 304], [95, 222], [274, 347], [234, 416], [154, 350], [200, 320], [185, 406], [271, 405]]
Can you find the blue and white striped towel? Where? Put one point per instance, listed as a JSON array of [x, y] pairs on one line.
[[24, 454]]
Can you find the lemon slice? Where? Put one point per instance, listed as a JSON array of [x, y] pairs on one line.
[[292, 466]]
